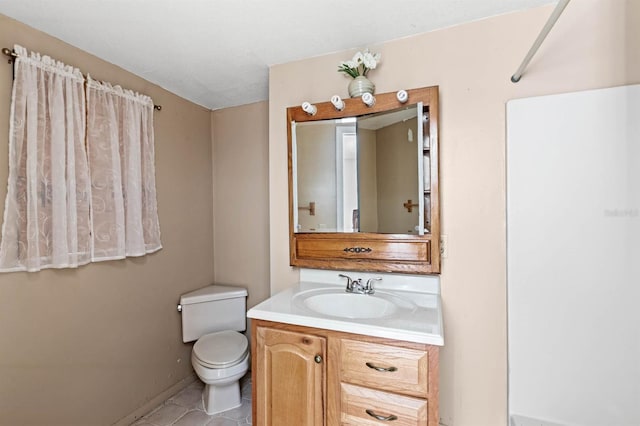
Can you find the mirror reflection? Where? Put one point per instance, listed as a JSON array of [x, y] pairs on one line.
[[363, 174]]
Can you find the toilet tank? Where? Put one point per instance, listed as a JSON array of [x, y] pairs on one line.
[[213, 308]]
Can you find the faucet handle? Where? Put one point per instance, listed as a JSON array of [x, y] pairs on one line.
[[369, 286], [349, 281]]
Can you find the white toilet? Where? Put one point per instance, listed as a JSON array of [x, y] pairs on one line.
[[214, 315]]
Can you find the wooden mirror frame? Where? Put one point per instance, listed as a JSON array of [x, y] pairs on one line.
[[401, 253]]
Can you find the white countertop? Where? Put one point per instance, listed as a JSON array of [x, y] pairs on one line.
[[422, 325]]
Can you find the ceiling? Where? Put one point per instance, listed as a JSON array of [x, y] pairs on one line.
[[217, 53]]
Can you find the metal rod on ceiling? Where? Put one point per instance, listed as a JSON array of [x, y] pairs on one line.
[[543, 34], [13, 55]]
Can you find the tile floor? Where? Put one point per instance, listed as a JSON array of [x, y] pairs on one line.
[[185, 409]]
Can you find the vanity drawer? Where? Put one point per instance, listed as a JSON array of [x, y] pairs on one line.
[[386, 367], [359, 406], [402, 251]]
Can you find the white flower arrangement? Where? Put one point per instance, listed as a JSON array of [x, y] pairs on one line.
[[361, 63]]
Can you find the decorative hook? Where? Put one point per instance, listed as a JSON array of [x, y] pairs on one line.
[[311, 208], [409, 205]]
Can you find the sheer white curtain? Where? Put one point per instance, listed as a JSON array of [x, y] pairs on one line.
[[120, 147], [46, 218]]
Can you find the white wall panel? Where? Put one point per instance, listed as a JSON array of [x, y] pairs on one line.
[[573, 249]]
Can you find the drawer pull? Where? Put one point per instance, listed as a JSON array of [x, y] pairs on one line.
[[375, 367], [388, 418], [357, 250]]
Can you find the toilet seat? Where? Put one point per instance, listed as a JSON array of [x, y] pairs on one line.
[[222, 349]]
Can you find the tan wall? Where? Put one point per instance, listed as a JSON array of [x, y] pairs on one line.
[[316, 160], [368, 180], [241, 198], [594, 44], [91, 345], [397, 178]]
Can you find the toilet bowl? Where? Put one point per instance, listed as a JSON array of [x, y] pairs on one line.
[[220, 360], [213, 316]]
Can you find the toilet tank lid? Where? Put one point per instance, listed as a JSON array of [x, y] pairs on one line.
[[212, 292]]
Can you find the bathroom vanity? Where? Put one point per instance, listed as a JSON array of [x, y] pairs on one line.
[[354, 379], [335, 364], [363, 197]]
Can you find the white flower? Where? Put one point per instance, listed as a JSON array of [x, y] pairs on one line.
[[358, 58], [360, 64], [369, 61], [349, 64]]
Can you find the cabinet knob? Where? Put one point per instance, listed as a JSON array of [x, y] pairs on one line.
[[318, 359]]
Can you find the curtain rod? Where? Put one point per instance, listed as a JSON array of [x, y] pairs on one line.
[[12, 55], [543, 34]]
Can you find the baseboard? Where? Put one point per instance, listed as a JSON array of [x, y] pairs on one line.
[[517, 420], [154, 402]]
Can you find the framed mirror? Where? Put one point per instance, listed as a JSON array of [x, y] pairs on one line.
[[363, 184], [359, 173]]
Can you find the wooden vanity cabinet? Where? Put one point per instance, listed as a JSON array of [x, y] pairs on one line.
[[289, 378], [358, 380]]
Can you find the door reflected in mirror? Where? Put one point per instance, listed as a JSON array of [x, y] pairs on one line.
[[366, 174]]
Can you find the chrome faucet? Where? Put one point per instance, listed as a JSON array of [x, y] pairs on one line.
[[356, 286]]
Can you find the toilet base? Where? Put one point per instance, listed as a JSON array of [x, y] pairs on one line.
[[217, 399]]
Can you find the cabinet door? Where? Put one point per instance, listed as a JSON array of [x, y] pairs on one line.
[[290, 388]]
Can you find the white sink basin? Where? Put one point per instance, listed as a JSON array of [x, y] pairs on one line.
[[338, 303]]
